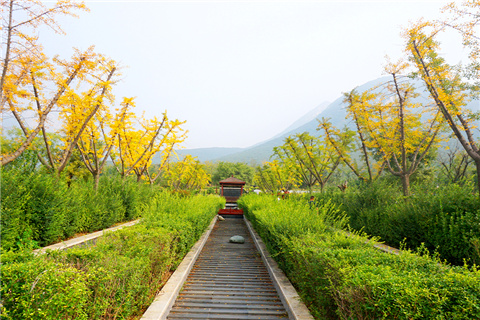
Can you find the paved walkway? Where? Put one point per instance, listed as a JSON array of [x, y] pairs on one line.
[[228, 280]]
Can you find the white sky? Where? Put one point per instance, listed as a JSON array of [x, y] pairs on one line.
[[240, 72]]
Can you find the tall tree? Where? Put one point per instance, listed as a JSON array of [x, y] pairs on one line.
[[285, 154], [98, 139], [30, 97], [24, 65], [398, 130], [314, 155], [444, 82], [136, 147], [187, 174], [21, 20], [464, 18], [274, 177], [414, 132], [347, 142]]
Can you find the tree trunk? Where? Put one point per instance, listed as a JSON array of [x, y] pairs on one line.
[[322, 185], [96, 180], [477, 162], [406, 184], [6, 59]]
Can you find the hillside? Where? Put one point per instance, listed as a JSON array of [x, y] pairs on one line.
[[335, 111], [262, 152], [208, 154]]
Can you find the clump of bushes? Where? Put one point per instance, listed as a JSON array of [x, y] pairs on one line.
[[39, 207], [345, 277], [445, 219], [115, 279]]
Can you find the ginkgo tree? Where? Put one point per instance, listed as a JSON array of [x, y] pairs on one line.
[[287, 157], [446, 85], [78, 109], [86, 70], [464, 18], [347, 142], [140, 139], [172, 137], [313, 155], [392, 131], [98, 138], [21, 21], [403, 131], [25, 67], [275, 176], [187, 174]]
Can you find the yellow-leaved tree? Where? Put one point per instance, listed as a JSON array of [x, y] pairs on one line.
[[32, 97], [346, 142], [449, 87], [25, 68], [187, 174], [136, 147], [311, 154], [99, 138], [275, 176], [402, 130], [398, 130]]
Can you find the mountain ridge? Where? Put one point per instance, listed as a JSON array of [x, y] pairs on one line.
[[335, 112]]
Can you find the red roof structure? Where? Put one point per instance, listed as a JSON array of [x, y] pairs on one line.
[[231, 190], [232, 181]]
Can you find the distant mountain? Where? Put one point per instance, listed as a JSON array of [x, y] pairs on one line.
[[251, 154], [312, 114], [335, 111], [208, 154]]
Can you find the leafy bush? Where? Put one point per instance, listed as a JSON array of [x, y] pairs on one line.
[[345, 277], [445, 219], [115, 279], [40, 208]]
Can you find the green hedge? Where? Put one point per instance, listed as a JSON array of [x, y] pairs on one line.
[[40, 208], [343, 277], [445, 219], [115, 279]]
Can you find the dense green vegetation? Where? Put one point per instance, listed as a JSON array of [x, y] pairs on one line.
[[445, 218], [223, 170], [396, 185], [345, 277], [37, 206], [115, 279]]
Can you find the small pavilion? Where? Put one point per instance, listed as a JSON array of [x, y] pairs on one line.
[[231, 189]]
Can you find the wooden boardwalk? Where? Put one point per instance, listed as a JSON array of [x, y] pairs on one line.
[[228, 280]]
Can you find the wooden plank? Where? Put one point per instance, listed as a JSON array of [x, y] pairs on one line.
[[228, 280]]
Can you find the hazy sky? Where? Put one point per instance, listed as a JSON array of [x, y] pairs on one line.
[[240, 72]]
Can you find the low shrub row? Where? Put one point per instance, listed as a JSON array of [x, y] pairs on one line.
[[345, 277], [445, 219], [115, 279], [38, 207]]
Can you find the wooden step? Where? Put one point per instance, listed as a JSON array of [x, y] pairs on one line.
[[228, 281]]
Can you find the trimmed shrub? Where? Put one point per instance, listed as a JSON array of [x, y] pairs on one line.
[[342, 276], [445, 219], [38, 208], [118, 277]]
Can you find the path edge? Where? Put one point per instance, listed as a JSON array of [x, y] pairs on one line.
[[62, 245], [164, 300], [296, 309]]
